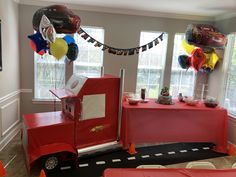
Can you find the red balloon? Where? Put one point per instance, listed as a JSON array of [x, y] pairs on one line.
[[198, 59], [42, 52], [33, 45]]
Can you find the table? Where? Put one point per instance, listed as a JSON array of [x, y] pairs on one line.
[[152, 123], [168, 172]]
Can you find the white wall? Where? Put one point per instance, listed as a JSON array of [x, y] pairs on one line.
[[10, 75]]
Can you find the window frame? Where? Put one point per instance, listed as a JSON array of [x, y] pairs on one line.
[[88, 64], [225, 71], [179, 69], [69, 69], [149, 67]]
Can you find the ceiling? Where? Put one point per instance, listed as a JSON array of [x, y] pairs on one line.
[[204, 8]]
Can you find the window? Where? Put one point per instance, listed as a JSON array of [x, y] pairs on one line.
[[90, 58], [49, 74], [151, 64], [182, 81], [229, 100]]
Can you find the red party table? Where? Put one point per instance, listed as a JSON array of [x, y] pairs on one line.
[[153, 123], [168, 172]]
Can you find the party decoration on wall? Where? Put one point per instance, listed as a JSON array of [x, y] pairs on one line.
[[63, 19], [119, 51], [204, 35]]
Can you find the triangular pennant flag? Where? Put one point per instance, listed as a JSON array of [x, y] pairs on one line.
[[119, 52], [80, 31], [91, 40], [85, 36], [161, 36], [144, 48], [150, 45], [125, 52], [104, 47], [112, 50], [2, 170], [130, 51], [156, 41], [98, 44], [137, 50]]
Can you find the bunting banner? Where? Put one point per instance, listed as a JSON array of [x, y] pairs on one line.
[[118, 51]]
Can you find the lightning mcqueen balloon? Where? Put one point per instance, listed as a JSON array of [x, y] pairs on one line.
[[63, 19], [204, 35]]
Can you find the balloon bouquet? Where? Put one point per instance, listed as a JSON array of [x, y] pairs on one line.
[[47, 22], [200, 43]]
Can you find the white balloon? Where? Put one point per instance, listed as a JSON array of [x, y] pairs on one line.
[[44, 24], [47, 29], [50, 34]]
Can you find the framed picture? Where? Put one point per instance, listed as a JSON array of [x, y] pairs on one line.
[[0, 48]]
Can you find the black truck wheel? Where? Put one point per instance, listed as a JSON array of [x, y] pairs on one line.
[[50, 163]]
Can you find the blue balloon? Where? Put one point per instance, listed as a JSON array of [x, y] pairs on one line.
[[184, 61], [38, 40], [73, 52], [69, 39]]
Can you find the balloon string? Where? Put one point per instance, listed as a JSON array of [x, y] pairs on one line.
[[54, 101]]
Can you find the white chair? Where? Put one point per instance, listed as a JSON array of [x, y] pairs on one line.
[[150, 166], [201, 165], [234, 165]]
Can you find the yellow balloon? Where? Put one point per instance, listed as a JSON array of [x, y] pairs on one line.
[[211, 60], [59, 48], [187, 47]]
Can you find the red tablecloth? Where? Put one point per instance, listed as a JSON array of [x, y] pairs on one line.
[[170, 172], [152, 123]]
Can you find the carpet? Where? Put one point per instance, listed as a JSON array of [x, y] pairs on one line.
[[166, 154]]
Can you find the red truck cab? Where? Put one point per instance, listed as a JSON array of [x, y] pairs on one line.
[[89, 117]]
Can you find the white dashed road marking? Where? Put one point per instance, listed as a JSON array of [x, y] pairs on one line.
[[195, 149], [145, 156], [83, 165], [100, 162], [159, 154], [172, 152], [131, 158], [183, 151], [116, 160]]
